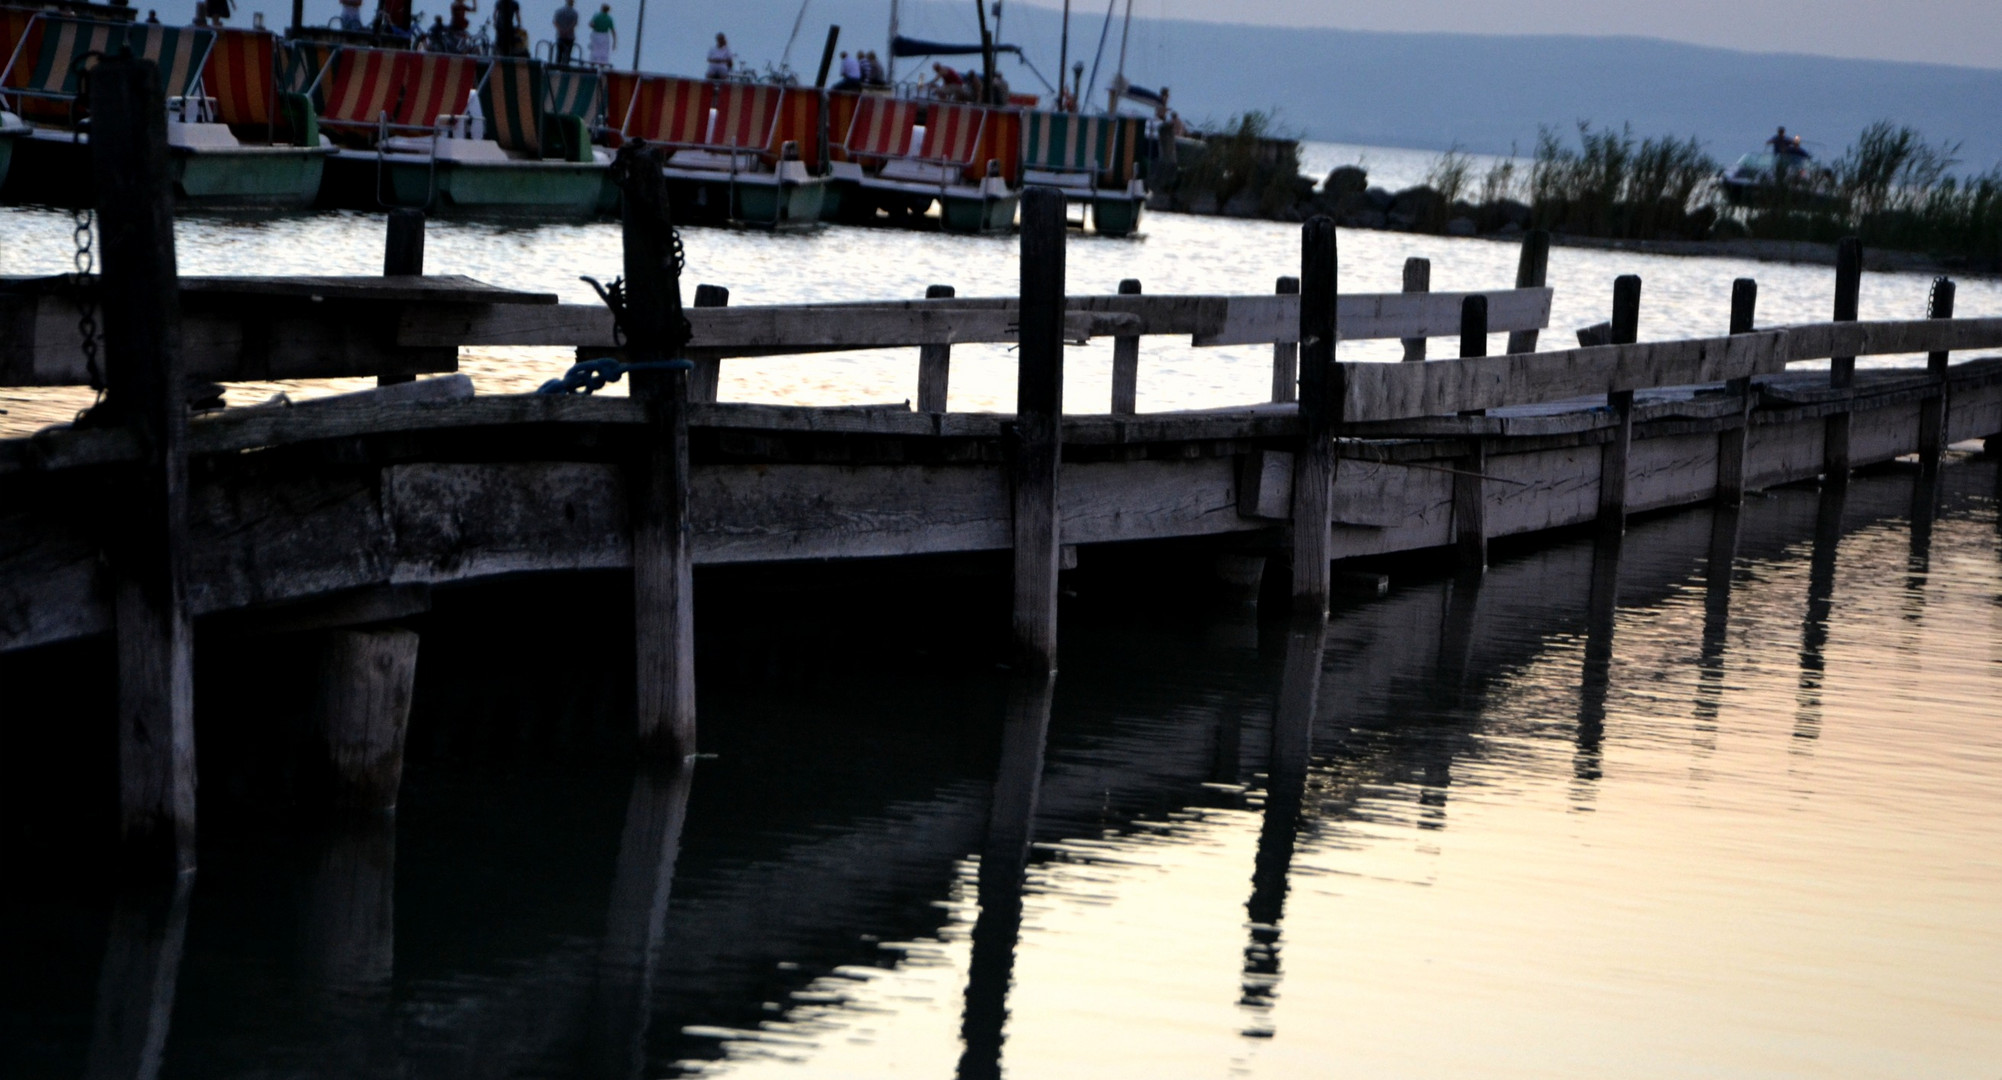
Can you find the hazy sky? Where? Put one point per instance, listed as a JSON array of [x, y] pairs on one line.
[[1941, 31]]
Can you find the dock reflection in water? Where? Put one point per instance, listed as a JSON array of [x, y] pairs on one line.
[[1707, 799]]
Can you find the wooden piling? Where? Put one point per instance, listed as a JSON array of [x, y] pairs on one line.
[[402, 255], [708, 373], [1842, 369], [1932, 411], [1286, 355], [663, 584], [1039, 395], [1613, 455], [1470, 526], [1321, 394], [934, 363], [359, 713], [1532, 269], [1126, 361], [1731, 440], [136, 977], [1417, 278], [148, 518]]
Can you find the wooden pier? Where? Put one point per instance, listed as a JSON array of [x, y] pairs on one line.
[[338, 515]]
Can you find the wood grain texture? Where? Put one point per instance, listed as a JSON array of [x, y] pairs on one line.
[[359, 712]]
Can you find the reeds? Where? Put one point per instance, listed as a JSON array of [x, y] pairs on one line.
[[1895, 190], [1248, 156], [1611, 185]]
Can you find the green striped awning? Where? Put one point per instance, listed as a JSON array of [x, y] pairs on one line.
[[511, 97], [573, 93], [1061, 142], [179, 50]]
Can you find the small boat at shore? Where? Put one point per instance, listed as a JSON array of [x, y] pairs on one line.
[[899, 156], [730, 150], [229, 146], [445, 133], [1768, 180]]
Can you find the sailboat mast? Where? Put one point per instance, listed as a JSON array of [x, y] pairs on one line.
[[1064, 53], [639, 34], [890, 73], [986, 55], [1119, 80]]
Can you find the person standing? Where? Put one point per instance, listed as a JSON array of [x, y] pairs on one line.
[[721, 60], [507, 27], [351, 16], [566, 30], [604, 36]]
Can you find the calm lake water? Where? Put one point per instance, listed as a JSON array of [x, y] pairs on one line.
[[1725, 801]]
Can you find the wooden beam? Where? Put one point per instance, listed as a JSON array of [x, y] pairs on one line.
[[1531, 270], [1470, 516], [1842, 367], [359, 713], [1039, 398], [1322, 397], [402, 255], [934, 363], [1417, 279], [1932, 412], [144, 384], [708, 373], [663, 581], [1126, 361], [1613, 456], [1257, 320], [1286, 354], [1731, 440]]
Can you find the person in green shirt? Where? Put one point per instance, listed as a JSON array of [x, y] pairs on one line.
[[604, 37]]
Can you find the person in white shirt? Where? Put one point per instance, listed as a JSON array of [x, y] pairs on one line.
[[721, 59], [851, 68]]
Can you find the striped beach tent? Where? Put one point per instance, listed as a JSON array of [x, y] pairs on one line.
[[668, 110], [883, 127], [55, 67], [744, 115], [798, 122], [181, 52], [1119, 142], [511, 98], [952, 133], [1001, 143], [358, 89], [840, 115], [241, 75], [432, 85], [1060, 142], [573, 93]]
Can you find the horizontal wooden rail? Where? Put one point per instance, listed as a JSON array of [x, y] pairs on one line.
[[1820, 341]]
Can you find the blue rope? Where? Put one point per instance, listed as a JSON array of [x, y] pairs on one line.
[[591, 376]]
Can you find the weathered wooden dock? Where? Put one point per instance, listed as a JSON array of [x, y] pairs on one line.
[[338, 515]]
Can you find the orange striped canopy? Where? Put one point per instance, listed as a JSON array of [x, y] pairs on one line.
[[882, 127], [952, 133], [663, 109], [19, 30], [240, 76], [798, 122], [432, 85], [744, 115], [361, 87]]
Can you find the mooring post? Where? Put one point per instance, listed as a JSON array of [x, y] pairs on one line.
[[359, 713], [1322, 394], [1470, 526], [1039, 396], [1532, 269], [1842, 369], [934, 363], [1126, 361], [1286, 354], [1731, 440], [1613, 455], [1932, 411], [147, 541], [663, 582], [402, 255], [1418, 279], [708, 373]]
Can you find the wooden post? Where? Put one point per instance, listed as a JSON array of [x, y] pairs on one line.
[[708, 373], [148, 537], [402, 254], [1731, 440], [663, 583], [1532, 269], [636, 921], [1842, 369], [1932, 411], [1417, 278], [360, 711], [1039, 396], [1286, 355], [1613, 455], [934, 363], [1126, 361], [135, 980], [1321, 398], [1470, 526]]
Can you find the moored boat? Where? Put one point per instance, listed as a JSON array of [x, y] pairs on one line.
[[435, 131], [1777, 179], [1096, 161], [899, 156], [228, 147], [11, 128], [731, 151]]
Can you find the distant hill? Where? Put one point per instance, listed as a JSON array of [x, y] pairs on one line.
[[1428, 91]]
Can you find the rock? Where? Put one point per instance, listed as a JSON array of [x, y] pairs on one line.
[[1362, 218], [1379, 199], [1421, 209], [1345, 180], [1509, 228], [1244, 204], [1729, 228], [1460, 226]]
